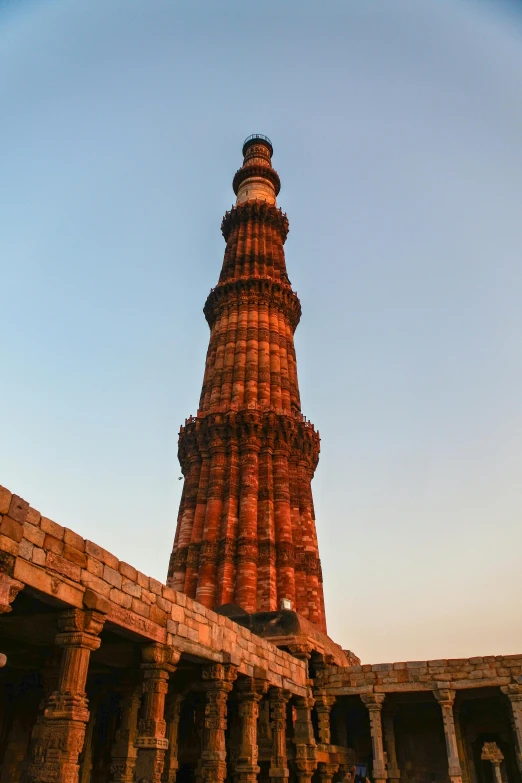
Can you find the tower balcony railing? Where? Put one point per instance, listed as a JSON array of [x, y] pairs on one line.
[[257, 137], [298, 416]]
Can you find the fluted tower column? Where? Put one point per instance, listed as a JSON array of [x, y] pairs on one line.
[[246, 528]]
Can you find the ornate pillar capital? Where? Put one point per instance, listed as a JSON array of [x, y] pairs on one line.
[[80, 628], [513, 691], [373, 701], [9, 589], [445, 696], [251, 688], [220, 676]]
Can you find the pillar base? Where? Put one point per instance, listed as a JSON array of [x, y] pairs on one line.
[[246, 774], [278, 773], [150, 761]]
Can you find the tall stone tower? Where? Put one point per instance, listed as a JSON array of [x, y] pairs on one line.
[[246, 529]]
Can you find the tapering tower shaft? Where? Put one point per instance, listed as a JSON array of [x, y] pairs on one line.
[[246, 526]]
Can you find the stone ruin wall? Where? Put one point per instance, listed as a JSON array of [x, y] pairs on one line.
[[49, 558]]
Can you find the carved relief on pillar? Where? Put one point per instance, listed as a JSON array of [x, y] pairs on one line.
[[446, 698], [172, 715], [159, 661], [278, 699], [124, 752], [249, 692], [9, 589], [59, 737], [514, 694], [305, 747], [374, 702], [323, 706], [218, 680], [326, 771], [391, 750]]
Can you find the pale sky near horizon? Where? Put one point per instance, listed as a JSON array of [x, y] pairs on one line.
[[397, 128]]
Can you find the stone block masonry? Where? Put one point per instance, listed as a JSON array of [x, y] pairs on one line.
[[40, 554], [246, 526]]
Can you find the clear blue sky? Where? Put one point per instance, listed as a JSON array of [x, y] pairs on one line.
[[397, 130]]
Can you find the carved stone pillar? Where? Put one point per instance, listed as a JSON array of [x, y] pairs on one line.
[[9, 589], [304, 740], [159, 660], [278, 699], [374, 702], [491, 752], [461, 746], [219, 679], [391, 751], [172, 714], [326, 771], [59, 737], [14, 749], [49, 674], [323, 706], [249, 693], [86, 765], [123, 752], [446, 697], [514, 694]]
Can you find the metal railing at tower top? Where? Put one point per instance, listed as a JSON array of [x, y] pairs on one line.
[[257, 137]]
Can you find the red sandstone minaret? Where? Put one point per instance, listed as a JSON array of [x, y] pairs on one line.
[[246, 529]]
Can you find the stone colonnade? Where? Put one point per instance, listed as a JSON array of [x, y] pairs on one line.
[[145, 743], [385, 765]]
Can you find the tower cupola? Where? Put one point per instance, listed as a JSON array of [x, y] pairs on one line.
[[256, 179]]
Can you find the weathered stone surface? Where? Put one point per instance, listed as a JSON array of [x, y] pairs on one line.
[[250, 448]]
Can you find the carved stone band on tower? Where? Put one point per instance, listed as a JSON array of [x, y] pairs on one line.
[[246, 526]]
